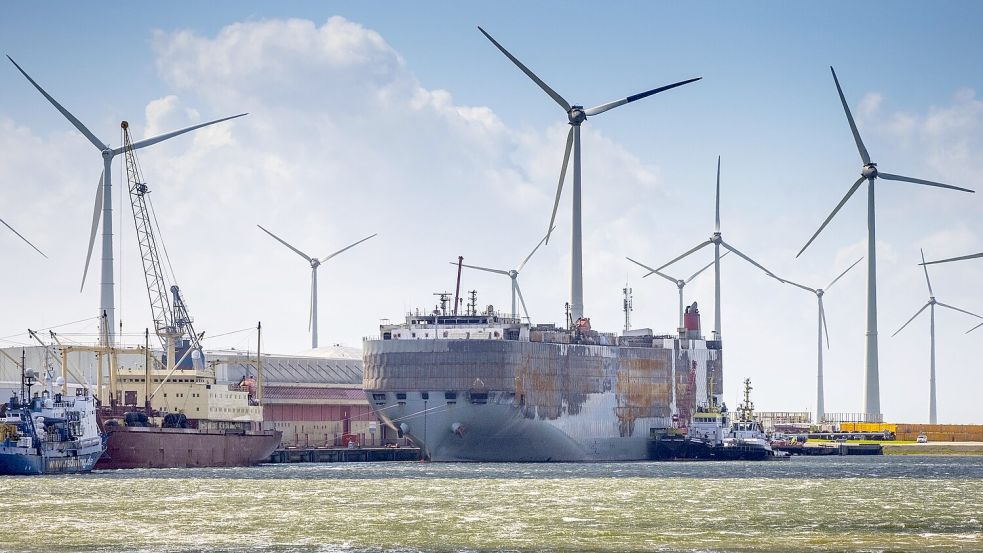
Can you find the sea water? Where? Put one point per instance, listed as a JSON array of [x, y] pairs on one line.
[[903, 503]]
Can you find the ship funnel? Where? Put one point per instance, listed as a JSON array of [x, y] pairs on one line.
[[691, 322]]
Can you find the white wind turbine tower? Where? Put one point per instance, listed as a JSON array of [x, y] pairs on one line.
[[960, 258], [680, 284], [576, 115], [22, 238], [514, 275], [932, 302], [823, 329], [315, 263], [869, 172], [105, 198], [717, 240]]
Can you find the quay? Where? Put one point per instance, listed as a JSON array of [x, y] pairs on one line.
[[831, 449], [344, 454]]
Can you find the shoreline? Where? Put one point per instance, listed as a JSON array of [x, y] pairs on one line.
[[936, 448]]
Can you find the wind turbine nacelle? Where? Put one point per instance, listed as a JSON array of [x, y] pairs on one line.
[[869, 171], [576, 115]]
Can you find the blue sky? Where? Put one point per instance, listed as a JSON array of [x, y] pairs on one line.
[[314, 160]]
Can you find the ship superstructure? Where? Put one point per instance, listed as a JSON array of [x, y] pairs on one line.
[[489, 387], [48, 433]]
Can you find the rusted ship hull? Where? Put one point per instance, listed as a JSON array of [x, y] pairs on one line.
[[151, 447], [522, 401]]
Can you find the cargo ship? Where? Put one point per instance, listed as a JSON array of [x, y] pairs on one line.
[[488, 387], [172, 412], [192, 421], [49, 432]]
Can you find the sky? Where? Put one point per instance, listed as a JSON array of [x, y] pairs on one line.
[[401, 119]]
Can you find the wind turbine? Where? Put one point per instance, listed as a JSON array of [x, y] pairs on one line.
[[315, 263], [514, 275], [819, 292], [870, 173], [22, 238], [105, 198], [680, 284], [932, 302], [576, 115], [960, 258], [717, 240]]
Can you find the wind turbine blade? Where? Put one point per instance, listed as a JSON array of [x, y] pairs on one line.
[[796, 284], [716, 219], [556, 97], [526, 260], [822, 315], [160, 138], [707, 266], [95, 227], [974, 328], [960, 258], [849, 193], [559, 186], [927, 281], [611, 105], [889, 176], [688, 252], [844, 272], [917, 313], [749, 260], [22, 238], [959, 310], [348, 247], [499, 271], [71, 118], [522, 300], [849, 117], [651, 271], [280, 240]]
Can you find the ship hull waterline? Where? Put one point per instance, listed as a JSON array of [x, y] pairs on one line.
[[152, 447]]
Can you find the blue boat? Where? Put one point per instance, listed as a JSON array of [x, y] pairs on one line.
[[49, 434]]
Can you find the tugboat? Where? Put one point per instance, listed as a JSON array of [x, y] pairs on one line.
[[48, 433], [713, 435], [746, 440]]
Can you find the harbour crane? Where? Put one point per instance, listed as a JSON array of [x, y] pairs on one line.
[[172, 321]]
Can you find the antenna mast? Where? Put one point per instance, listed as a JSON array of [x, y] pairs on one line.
[[473, 303], [627, 306]]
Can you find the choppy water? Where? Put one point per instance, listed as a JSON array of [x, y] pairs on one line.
[[859, 504]]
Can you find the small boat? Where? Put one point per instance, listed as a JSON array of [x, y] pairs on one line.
[[48, 433], [714, 435]]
